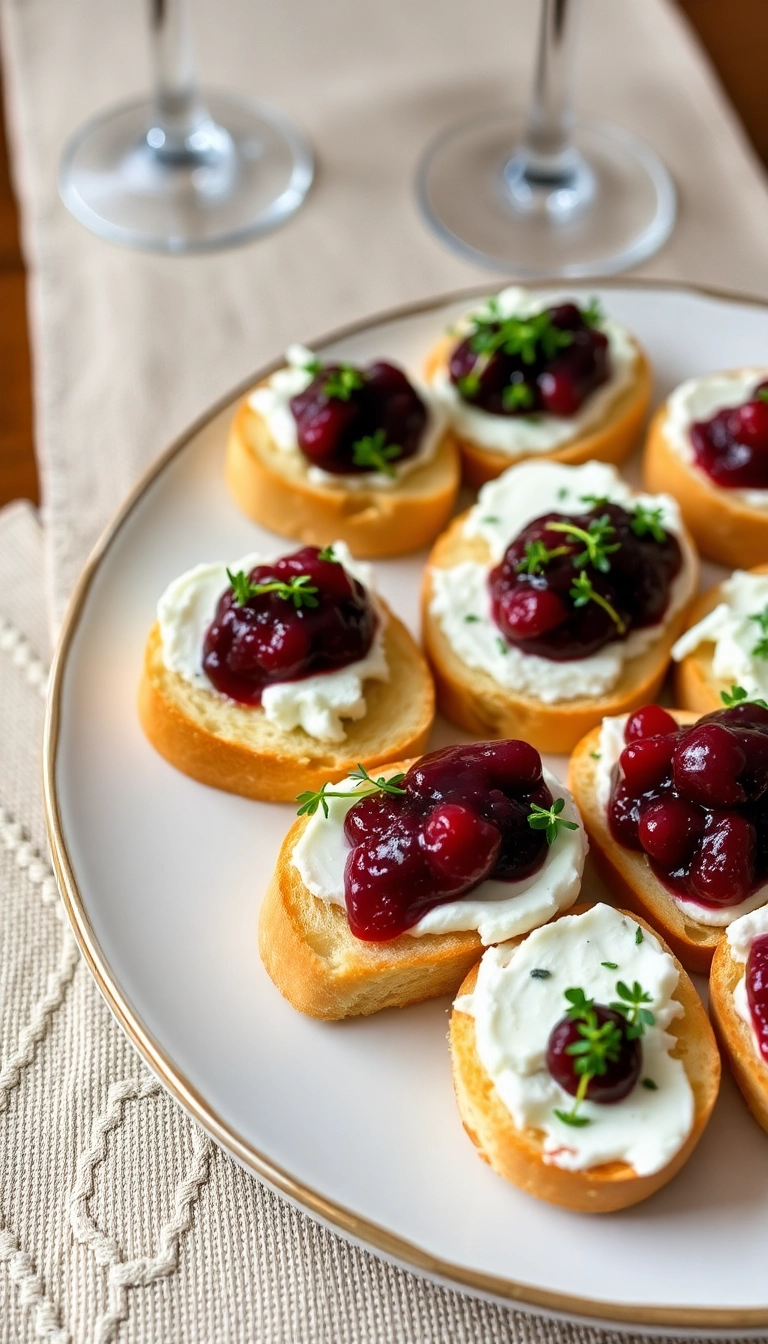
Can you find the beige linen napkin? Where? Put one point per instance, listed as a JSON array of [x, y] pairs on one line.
[[130, 347]]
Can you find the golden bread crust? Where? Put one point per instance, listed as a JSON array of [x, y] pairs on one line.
[[696, 686], [235, 748], [273, 489], [324, 971], [472, 699], [723, 528], [612, 441], [732, 1032], [517, 1154]]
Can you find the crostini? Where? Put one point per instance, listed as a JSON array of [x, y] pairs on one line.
[[708, 446], [738, 1002], [676, 809], [726, 643], [554, 601], [323, 451], [526, 375], [274, 676], [386, 889], [584, 1064]]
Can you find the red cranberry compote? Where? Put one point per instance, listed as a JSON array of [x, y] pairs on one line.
[[352, 420], [549, 362], [732, 447], [462, 819], [695, 800], [757, 991], [536, 606], [274, 636]]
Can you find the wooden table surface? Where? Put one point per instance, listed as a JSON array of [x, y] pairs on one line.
[[735, 33]]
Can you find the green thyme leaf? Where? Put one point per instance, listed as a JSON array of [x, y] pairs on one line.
[[328, 553], [517, 397], [310, 800], [738, 696], [583, 591], [539, 973], [301, 591], [550, 820], [536, 556], [650, 1085], [638, 935], [647, 522], [595, 538], [342, 382], [610, 965], [568, 1118], [375, 453]]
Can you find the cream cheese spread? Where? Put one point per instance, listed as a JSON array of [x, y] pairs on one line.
[[612, 744], [317, 704], [515, 1012], [734, 631], [741, 935], [700, 399], [496, 910], [273, 403], [538, 433], [461, 599]]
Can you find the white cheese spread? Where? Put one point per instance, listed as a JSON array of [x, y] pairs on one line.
[[537, 433], [741, 935], [612, 744], [318, 703], [273, 403], [732, 628], [515, 1013], [497, 910], [461, 599], [701, 398]]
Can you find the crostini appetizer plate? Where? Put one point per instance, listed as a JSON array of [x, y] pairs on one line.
[[354, 1121]]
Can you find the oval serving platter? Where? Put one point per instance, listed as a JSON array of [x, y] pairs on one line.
[[354, 1121]]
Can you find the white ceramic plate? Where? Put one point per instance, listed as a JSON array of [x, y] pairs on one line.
[[355, 1121]]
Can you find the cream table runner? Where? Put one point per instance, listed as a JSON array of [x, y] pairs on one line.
[[118, 1219]]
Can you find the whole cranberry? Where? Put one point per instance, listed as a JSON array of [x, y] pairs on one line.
[[375, 875], [649, 721], [559, 391], [749, 425], [284, 650], [513, 765], [669, 829], [754, 779], [646, 763], [622, 1071], [722, 869], [527, 613], [460, 844], [706, 765], [319, 433], [624, 816]]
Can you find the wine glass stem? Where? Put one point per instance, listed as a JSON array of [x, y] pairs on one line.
[[547, 143], [179, 111]]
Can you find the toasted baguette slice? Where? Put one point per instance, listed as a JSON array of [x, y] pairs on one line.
[[236, 748], [610, 441], [323, 970], [696, 686], [628, 872], [517, 1154], [274, 489], [750, 1072], [472, 699], [723, 527]]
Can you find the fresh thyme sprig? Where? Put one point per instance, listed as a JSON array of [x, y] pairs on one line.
[[373, 451], [301, 591], [342, 382], [597, 548], [761, 619], [536, 556], [583, 591], [647, 522], [313, 366], [329, 554], [598, 1046], [593, 314], [761, 394], [309, 801], [517, 397], [630, 1005], [549, 819], [738, 696], [528, 337]]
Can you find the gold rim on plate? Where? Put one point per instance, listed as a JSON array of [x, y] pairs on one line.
[[336, 1217]]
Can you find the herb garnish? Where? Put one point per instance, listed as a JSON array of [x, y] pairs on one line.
[[649, 1083], [537, 555], [528, 337], [630, 1005], [647, 522], [582, 591], [342, 382], [539, 973], [738, 696], [549, 819], [610, 965], [517, 397], [329, 554], [301, 590], [593, 313], [471, 619], [761, 618], [502, 646], [638, 935], [373, 451], [313, 366], [761, 394], [599, 1046], [310, 801], [595, 538]]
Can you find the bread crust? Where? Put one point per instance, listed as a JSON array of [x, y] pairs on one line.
[[274, 490], [750, 1072], [696, 686], [472, 699], [235, 748], [611, 441], [324, 971], [517, 1154], [723, 528]]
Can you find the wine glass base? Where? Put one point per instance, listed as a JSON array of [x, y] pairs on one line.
[[254, 173], [469, 188]]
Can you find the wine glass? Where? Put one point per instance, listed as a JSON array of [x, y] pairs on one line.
[[547, 193], [181, 172]]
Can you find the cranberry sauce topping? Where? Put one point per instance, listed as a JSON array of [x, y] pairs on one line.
[[622, 1056], [548, 362], [352, 420], [757, 991], [463, 818], [732, 447], [695, 800], [299, 615], [570, 584]]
